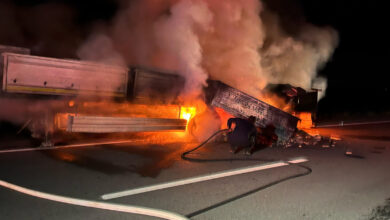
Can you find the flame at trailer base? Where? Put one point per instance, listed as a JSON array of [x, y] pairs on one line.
[[305, 122], [187, 113]]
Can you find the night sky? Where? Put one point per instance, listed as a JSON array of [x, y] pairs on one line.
[[357, 74]]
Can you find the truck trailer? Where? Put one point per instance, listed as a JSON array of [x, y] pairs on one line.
[[87, 97]]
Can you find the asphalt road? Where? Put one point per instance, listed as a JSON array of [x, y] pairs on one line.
[[339, 187]]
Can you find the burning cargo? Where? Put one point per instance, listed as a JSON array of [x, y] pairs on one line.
[[242, 105]]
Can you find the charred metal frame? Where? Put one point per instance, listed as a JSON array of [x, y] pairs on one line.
[[243, 105]]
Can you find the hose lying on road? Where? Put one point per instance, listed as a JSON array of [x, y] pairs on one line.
[[95, 204], [184, 156]]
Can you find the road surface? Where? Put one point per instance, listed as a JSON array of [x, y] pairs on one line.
[[340, 186]]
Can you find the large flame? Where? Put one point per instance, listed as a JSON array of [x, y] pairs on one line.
[[305, 121]]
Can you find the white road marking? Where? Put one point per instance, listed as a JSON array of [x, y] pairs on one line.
[[203, 178], [342, 124]]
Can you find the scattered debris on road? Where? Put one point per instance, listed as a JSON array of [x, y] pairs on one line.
[[304, 139]]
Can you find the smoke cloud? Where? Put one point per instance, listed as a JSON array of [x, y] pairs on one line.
[[231, 51], [99, 48], [242, 43], [178, 35], [239, 42], [296, 58]]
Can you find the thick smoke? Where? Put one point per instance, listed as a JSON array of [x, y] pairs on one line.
[[243, 43], [178, 35], [99, 48], [296, 58], [231, 49], [239, 42]]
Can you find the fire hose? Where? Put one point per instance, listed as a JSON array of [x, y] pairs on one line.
[[184, 156], [139, 210], [157, 212]]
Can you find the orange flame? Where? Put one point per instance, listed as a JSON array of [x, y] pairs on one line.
[[187, 113], [277, 102], [305, 122], [224, 116], [71, 103]]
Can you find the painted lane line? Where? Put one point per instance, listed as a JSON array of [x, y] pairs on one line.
[[342, 124], [203, 178], [95, 204], [70, 146]]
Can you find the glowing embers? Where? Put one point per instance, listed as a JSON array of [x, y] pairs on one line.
[[71, 103], [187, 113], [335, 137], [66, 157], [61, 121]]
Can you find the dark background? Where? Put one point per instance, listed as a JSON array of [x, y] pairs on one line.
[[358, 84], [358, 81]]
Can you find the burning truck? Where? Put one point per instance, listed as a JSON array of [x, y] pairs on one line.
[[72, 96]]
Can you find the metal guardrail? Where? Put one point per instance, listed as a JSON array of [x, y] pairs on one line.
[[99, 124]]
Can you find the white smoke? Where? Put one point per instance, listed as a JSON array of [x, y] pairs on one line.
[[239, 42], [178, 35], [99, 48], [296, 59], [231, 50], [320, 83]]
